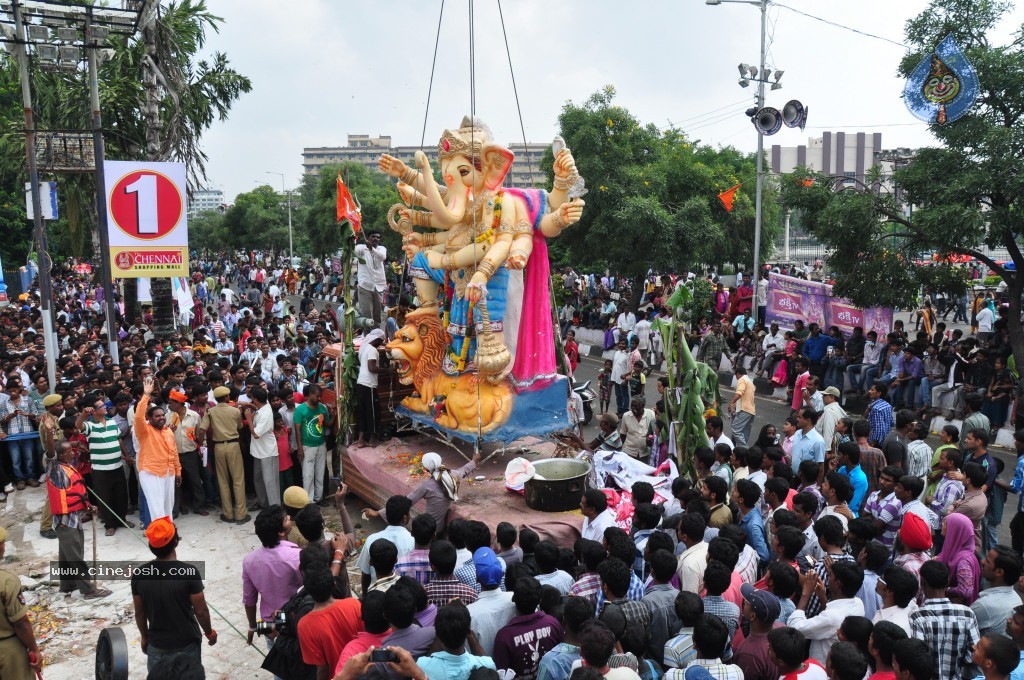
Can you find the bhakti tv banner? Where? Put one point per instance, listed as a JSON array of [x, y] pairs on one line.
[[790, 299]]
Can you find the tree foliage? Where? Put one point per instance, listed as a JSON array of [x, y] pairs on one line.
[[653, 195], [374, 192], [967, 193]]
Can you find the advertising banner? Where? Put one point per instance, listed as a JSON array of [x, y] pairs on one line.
[[146, 219], [790, 299]]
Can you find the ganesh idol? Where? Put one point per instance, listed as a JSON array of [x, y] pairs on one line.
[[478, 253]]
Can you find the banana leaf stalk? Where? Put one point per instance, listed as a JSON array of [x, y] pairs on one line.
[[348, 373], [692, 388]]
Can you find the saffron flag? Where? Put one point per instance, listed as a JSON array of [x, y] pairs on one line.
[[728, 196], [348, 208]]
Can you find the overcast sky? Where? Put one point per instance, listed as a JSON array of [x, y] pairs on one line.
[[322, 69]]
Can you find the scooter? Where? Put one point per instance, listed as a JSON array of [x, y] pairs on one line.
[[588, 397]]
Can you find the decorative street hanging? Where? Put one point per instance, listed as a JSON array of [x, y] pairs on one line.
[[944, 85]]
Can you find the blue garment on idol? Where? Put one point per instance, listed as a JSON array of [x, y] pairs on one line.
[[457, 317]]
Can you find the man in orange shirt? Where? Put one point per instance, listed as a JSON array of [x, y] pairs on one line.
[[159, 465], [332, 624]]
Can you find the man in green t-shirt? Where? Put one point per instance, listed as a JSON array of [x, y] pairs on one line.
[[312, 421]]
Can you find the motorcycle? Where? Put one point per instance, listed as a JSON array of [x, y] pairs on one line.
[[588, 397]]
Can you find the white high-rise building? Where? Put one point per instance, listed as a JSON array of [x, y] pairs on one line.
[[205, 200]]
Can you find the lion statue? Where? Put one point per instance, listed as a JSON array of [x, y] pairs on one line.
[[417, 353]]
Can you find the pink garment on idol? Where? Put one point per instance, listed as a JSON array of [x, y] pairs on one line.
[[535, 352]]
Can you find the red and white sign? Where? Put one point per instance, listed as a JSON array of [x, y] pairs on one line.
[[146, 219]]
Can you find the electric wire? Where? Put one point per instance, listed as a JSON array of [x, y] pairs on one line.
[[137, 538], [676, 123], [470, 321], [842, 26]]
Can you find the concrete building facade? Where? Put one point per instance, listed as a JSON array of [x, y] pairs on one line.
[[205, 200], [834, 153], [365, 150]]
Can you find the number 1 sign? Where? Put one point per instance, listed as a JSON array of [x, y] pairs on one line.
[[147, 225]]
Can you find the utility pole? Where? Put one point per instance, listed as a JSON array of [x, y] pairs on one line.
[[39, 230], [288, 193], [756, 273], [101, 189]]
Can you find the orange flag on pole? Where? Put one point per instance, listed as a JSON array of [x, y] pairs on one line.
[[728, 196], [348, 208]]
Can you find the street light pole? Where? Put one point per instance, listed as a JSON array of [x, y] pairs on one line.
[[763, 5], [288, 193], [91, 46], [39, 230], [760, 155]]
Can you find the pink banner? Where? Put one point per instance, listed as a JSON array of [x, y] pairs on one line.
[[791, 299]]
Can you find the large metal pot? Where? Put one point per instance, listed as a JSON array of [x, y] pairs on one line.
[[558, 486]]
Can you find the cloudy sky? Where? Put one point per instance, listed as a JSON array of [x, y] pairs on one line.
[[322, 69]]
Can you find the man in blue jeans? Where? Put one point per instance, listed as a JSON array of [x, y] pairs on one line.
[[19, 417]]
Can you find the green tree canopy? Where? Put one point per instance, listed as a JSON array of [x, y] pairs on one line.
[[653, 195], [374, 192], [967, 193]]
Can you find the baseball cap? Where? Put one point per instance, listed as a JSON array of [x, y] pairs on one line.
[[488, 567], [765, 605], [832, 391], [698, 673]]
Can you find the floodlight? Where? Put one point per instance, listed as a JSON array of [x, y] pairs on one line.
[[70, 54], [46, 52], [98, 34], [776, 86], [744, 82], [778, 75], [38, 33], [753, 71], [67, 34], [743, 69]]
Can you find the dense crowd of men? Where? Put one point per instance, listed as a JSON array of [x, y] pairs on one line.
[[828, 546]]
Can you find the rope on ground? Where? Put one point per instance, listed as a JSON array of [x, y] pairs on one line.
[[137, 538]]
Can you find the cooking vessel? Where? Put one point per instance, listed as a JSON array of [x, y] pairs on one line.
[[559, 485]]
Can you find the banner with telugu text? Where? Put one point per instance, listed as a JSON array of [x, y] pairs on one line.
[[790, 299]]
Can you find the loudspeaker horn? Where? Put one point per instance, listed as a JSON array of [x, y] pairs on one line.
[[794, 114], [767, 121]]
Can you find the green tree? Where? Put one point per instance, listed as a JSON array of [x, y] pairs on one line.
[[966, 193], [257, 217], [653, 195], [319, 196]]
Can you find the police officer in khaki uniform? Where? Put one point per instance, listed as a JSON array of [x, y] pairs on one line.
[[49, 435], [224, 423], [17, 640]]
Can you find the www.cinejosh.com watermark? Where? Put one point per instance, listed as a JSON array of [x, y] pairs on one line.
[[125, 571]]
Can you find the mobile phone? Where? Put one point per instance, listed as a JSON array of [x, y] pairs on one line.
[[383, 656], [810, 561]]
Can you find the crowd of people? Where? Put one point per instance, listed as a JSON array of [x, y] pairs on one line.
[[828, 546]]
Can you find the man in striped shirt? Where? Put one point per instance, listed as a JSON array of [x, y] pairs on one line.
[[110, 485]]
